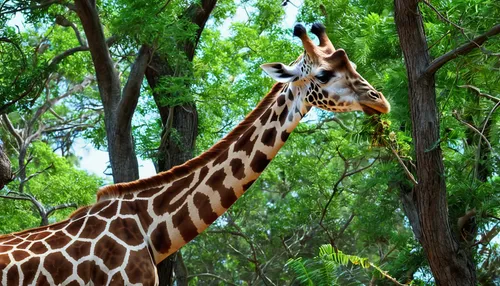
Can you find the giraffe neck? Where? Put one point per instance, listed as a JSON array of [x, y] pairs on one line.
[[180, 210]]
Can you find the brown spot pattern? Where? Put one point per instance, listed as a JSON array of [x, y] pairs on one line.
[[29, 269], [99, 277], [79, 249], [274, 117], [110, 210], [117, 279], [58, 240], [216, 183], [142, 270], [38, 248], [259, 162], [281, 100], [205, 211], [222, 157], [37, 236], [20, 254], [269, 137], [244, 143], [248, 185], [161, 202], [182, 221], [110, 252], [148, 193], [237, 168], [13, 275], [23, 245], [58, 266], [139, 208], [284, 136], [265, 116], [74, 226], [161, 239], [283, 115], [93, 228], [127, 230]]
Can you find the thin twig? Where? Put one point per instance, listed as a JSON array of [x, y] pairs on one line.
[[408, 173], [478, 91], [227, 282], [457, 117]]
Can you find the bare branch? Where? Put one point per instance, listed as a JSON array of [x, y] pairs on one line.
[[51, 210], [12, 130], [346, 224], [457, 117], [57, 59], [344, 175], [18, 198], [478, 91], [6, 106], [51, 102], [462, 50], [254, 259], [400, 161], [227, 282], [323, 122], [38, 173], [62, 21]]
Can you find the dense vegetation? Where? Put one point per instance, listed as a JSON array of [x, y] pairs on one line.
[[334, 190]]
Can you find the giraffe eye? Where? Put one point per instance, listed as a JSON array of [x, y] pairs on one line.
[[324, 76]]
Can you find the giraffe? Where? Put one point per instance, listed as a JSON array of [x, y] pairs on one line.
[[134, 226]]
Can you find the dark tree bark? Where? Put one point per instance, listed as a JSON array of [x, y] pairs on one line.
[[119, 105], [5, 169], [449, 261], [181, 119]]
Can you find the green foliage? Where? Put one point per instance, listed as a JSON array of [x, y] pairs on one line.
[[329, 267], [61, 183], [280, 216]]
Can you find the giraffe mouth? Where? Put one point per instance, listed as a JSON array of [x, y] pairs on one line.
[[370, 111]]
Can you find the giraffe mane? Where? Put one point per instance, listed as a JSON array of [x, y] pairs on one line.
[[113, 191]]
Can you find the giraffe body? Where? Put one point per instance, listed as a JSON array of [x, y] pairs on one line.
[[134, 226]]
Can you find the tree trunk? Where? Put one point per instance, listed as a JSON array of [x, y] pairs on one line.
[[119, 105], [5, 169], [449, 262], [181, 120]]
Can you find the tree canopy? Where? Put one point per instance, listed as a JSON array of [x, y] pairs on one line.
[[337, 206]]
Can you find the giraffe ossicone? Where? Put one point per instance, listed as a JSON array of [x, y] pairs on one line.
[[134, 226]]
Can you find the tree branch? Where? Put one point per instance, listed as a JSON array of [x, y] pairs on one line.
[[38, 173], [51, 210], [12, 130], [212, 276], [32, 7], [478, 91], [457, 117], [62, 21], [132, 89], [57, 59], [462, 50], [51, 102]]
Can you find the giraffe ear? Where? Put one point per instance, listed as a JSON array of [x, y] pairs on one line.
[[281, 72]]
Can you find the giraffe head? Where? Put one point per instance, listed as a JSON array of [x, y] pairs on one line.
[[325, 78]]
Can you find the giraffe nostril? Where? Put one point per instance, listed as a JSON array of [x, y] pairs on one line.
[[373, 94]]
